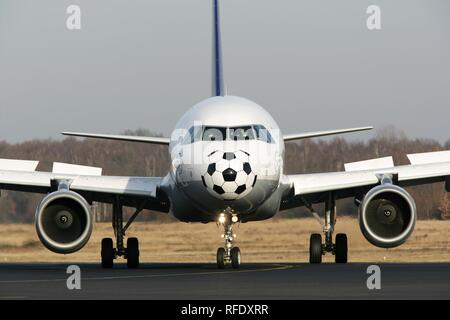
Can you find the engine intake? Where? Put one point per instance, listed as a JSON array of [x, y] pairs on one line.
[[64, 221], [387, 216]]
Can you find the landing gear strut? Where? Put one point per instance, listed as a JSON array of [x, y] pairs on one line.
[[131, 251], [339, 248], [229, 253]]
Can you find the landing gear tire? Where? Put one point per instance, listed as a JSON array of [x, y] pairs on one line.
[[221, 258], [315, 248], [235, 257], [341, 248], [132, 253], [107, 253]]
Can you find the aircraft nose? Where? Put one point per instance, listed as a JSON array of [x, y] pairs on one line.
[[229, 175]]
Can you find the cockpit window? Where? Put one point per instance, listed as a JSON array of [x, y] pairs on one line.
[[209, 133], [194, 134], [214, 134], [241, 133], [263, 134]]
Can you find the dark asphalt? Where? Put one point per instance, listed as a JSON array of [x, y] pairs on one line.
[[204, 281]]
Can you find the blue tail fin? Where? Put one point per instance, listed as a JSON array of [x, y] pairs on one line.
[[218, 86]]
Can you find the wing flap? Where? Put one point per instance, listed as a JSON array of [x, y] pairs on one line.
[[319, 182], [138, 186], [330, 181], [73, 169], [133, 186], [423, 171], [429, 157], [24, 178], [379, 163], [18, 165]]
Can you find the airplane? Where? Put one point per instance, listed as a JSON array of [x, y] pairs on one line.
[[227, 156]]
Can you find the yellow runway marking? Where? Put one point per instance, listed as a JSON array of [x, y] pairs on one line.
[[283, 267]]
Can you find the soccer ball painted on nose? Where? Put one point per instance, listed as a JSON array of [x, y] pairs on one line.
[[229, 175]]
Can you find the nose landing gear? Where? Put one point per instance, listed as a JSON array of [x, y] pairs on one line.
[[228, 254]]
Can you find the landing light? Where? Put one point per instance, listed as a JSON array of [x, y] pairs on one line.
[[234, 219], [222, 218]]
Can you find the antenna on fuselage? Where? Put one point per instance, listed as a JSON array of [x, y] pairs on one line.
[[218, 86]]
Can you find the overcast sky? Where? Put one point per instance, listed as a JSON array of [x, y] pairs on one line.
[[140, 64]]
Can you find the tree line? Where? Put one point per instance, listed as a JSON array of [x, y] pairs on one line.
[[305, 156]]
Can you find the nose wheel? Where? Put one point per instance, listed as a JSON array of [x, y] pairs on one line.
[[228, 254], [221, 257], [235, 257]]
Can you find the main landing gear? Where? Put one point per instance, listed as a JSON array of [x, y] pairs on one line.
[[339, 248], [228, 254], [131, 251]]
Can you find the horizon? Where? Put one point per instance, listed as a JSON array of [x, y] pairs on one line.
[[375, 133]]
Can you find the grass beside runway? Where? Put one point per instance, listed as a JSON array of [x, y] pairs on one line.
[[280, 240]]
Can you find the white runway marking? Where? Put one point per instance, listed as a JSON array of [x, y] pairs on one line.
[[284, 267]]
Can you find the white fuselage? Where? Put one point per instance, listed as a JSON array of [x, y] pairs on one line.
[[227, 154]]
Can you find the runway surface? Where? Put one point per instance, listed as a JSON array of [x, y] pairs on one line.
[[205, 281]]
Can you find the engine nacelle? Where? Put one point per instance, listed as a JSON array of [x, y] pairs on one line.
[[387, 216], [64, 221]]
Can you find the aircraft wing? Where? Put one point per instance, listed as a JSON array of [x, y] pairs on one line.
[[20, 175], [361, 176], [305, 135], [153, 140]]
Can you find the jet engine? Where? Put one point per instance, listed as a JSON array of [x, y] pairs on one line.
[[387, 216], [63, 221]]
